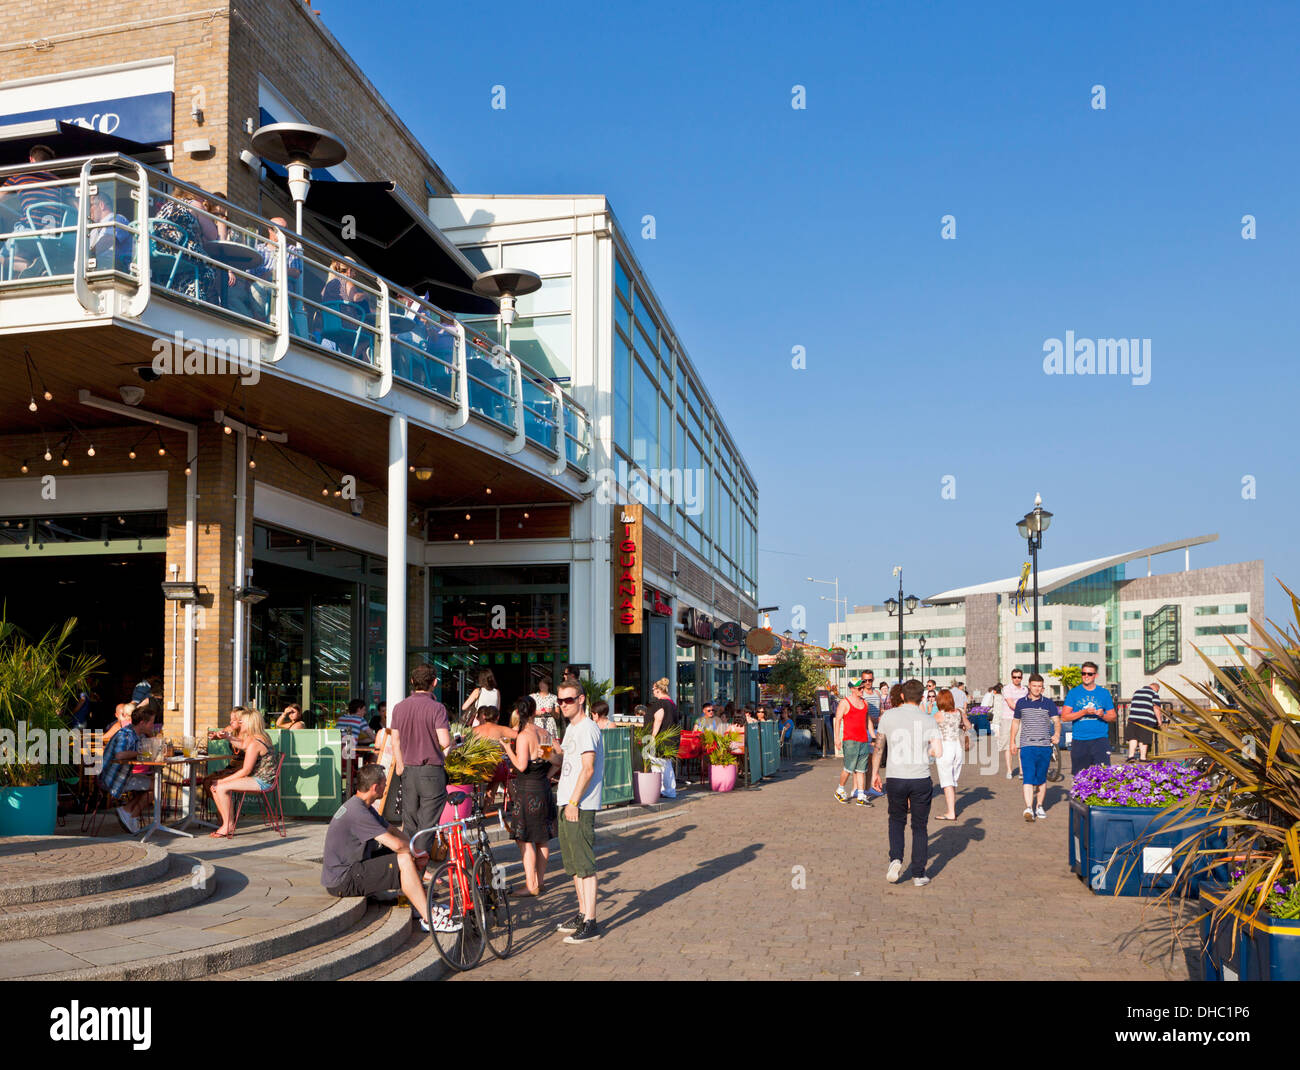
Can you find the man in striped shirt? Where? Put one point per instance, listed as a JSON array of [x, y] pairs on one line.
[[15, 218], [1144, 718]]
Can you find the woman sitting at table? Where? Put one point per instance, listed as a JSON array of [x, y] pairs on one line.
[[257, 773], [532, 805], [178, 233], [291, 717]]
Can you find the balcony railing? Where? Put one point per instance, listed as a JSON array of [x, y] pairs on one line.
[[106, 222]]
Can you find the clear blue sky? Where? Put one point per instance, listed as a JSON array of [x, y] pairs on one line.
[[821, 228]]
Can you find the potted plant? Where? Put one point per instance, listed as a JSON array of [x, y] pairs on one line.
[[1242, 730], [470, 762], [647, 783], [1125, 821], [38, 681], [723, 762]]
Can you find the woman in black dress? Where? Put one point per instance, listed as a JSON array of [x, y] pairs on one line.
[[532, 804]]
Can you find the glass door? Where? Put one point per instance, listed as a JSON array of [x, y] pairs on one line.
[[278, 635], [328, 676]]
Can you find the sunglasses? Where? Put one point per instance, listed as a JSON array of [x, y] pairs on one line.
[[567, 701], [1087, 674]]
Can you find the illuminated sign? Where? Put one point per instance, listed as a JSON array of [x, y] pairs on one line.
[[468, 633], [660, 605], [626, 554]]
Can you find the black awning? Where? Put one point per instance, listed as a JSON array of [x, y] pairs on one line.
[[396, 240], [67, 140]]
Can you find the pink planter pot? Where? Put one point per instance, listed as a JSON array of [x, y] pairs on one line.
[[647, 788], [455, 813], [722, 777]]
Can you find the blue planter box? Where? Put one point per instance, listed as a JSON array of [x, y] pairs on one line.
[[1103, 844], [29, 811], [1267, 949]]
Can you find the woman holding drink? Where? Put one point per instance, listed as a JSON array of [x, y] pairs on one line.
[[532, 806]]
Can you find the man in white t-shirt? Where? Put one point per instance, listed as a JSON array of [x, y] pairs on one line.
[[578, 797]]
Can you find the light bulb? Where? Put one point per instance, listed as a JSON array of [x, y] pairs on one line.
[[525, 516], [226, 429], [252, 463], [64, 462], [162, 451], [187, 469], [49, 456], [467, 516], [325, 492], [90, 452], [488, 489], [338, 494], [31, 405], [23, 469], [456, 535], [471, 542], [131, 455], [48, 396]]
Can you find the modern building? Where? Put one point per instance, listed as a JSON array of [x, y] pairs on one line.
[[597, 326], [327, 444], [1136, 628]]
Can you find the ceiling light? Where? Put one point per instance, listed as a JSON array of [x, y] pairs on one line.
[[467, 516], [131, 455], [226, 429], [49, 456], [23, 469], [424, 474], [90, 452], [48, 396], [31, 405], [252, 463], [488, 489]]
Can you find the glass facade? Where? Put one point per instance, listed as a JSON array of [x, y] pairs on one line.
[[1098, 589]]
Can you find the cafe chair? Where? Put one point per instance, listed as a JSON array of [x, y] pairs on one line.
[[269, 800], [345, 334], [690, 752], [54, 245]]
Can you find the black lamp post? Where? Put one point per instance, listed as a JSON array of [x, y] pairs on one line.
[[921, 656], [904, 606], [1031, 527]]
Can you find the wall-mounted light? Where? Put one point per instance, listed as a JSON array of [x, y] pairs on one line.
[[424, 474], [180, 591]]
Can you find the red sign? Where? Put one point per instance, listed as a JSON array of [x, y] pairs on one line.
[[467, 633], [660, 604], [627, 569]]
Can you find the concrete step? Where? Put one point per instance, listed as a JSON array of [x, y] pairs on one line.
[[380, 931], [183, 883], [415, 960], [210, 951], [72, 869]]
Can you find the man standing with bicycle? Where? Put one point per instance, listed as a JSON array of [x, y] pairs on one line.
[[1036, 729], [578, 795], [423, 732]]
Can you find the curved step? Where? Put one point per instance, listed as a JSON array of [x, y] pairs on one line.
[[231, 954], [187, 882], [24, 858], [415, 960], [379, 932]]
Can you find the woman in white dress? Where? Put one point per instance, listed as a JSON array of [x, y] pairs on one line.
[[546, 706], [486, 694], [951, 723]]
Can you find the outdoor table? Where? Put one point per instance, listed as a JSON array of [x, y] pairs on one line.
[[158, 765], [235, 254]]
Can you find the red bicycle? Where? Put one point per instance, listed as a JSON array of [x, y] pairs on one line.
[[471, 888]]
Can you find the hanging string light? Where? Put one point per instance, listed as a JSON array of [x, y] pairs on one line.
[[33, 370], [162, 449]]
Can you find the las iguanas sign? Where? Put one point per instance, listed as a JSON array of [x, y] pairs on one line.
[[626, 558]]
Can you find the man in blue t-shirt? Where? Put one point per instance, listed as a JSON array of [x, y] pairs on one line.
[[1091, 710]]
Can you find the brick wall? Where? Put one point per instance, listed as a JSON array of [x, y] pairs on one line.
[[981, 641]]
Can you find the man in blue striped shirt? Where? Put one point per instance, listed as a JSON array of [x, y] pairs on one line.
[[1144, 718]]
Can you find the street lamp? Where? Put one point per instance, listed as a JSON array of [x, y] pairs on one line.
[[921, 656], [1031, 527], [803, 635], [836, 584], [903, 605]]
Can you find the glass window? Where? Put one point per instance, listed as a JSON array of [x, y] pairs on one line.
[[544, 343], [645, 417], [1132, 614], [1028, 626], [622, 394], [1129, 653], [1132, 633], [1223, 629], [1212, 611], [544, 257], [646, 346], [666, 423], [620, 280], [623, 317], [1084, 648], [556, 295], [1084, 626], [485, 257], [643, 318]]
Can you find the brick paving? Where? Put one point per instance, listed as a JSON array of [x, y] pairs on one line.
[[25, 861], [710, 891]]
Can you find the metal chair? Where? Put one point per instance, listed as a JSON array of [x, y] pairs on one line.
[[269, 800], [54, 245]]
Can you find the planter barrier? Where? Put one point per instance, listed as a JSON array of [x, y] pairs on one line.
[[753, 755], [617, 785], [771, 747], [29, 811], [1268, 948], [1103, 843], [311, 780]]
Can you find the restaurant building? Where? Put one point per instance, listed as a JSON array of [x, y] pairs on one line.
[[330, 487]]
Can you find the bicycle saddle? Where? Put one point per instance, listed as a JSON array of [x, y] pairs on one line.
[[455, 798]]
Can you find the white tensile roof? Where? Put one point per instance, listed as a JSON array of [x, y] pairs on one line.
[[1053, 578]]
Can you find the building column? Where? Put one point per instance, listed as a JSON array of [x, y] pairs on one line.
[[395, 619]]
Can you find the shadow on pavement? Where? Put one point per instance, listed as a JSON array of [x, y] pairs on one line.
[[950, 839]]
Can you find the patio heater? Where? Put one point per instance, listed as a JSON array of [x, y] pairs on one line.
[[504, 285], [299, 148]]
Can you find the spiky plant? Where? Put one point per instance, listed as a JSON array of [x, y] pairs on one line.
[[473, 761], [665, 744]]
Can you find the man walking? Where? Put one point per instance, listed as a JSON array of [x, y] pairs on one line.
[[579, 795], [423, 732], [1011, 694], [1036, 729], [960, 699], [853, 724], [1144, 719], [875, 707], [1092, 711], [913, 738]]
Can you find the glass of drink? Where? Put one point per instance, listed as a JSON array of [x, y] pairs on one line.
[[187, 746]]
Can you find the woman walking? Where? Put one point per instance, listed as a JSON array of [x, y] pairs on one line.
[[951, 722], [532, 806], [1004, 717], [486, 694], [546, 706]]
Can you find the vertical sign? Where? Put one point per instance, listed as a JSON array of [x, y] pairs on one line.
[[626, 555]]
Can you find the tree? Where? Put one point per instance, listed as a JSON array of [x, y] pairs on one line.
[[797, 673], [1069, 675]]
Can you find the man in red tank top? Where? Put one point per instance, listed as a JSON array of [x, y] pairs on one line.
[[851, 716]]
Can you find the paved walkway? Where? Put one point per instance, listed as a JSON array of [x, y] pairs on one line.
[[783, 882]]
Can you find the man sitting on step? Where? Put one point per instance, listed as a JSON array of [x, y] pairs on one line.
[[348, 868]]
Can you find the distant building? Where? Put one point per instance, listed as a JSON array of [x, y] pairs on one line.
[[1135, 628]]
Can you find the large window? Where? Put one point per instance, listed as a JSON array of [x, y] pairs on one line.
[[542, 335], [1084, 626], [1223, 629], [1028, 626], [1213, 611]]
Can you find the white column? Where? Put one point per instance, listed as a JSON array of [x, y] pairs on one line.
[[395, 611]]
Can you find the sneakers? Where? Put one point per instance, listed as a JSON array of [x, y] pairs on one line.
[[872, 793], [920, 882], [572, 925], [1029, 814], [587, 931], [443, 922], [841, 795], [1008, 774], [1040, 813], [127, 821], [894, 871], [860, 797]]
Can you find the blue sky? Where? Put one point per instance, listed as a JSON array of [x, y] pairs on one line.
[[820, 227]]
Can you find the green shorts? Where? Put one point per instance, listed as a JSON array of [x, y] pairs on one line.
[[857, 756], [578, 843]]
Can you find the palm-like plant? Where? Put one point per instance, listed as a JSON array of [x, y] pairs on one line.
[[38, 681], [717, 749], [665, 744], [1243, 736], [473, 761]]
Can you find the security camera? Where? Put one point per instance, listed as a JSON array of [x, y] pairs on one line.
[[357, 505], [147, 373], [132, 395]]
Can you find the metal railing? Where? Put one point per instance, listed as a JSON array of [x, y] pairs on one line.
[[83, 221]]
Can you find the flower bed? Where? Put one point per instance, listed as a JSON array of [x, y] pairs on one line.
[[1263, 947], [1141, 784]]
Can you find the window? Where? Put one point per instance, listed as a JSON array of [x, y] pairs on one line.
[[1132, 633], [1223, 629], [620, 280], [1084, 626], [1133, 653], [1213, 611], [645, 418], [1028, 626], [1215, 651], [1028, 648], [1132, 614], [1084, 648], [623, 317], [622, 394]]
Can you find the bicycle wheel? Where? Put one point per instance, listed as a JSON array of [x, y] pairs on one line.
[[1054, 773], [498, 928], [462, 949]]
